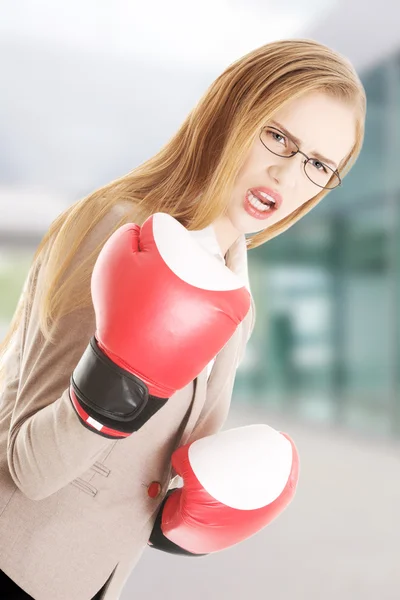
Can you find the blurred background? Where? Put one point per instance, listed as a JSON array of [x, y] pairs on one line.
[[89, 90]]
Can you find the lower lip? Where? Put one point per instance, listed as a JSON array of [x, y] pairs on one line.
[[257, 214]]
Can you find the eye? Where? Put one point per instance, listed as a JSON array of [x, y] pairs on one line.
[[319, 163], [274, 133]]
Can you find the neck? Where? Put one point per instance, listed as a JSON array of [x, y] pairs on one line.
[[225, 233]]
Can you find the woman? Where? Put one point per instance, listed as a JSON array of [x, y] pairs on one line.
[[272, 135]]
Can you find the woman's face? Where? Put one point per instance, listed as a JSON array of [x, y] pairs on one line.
[[324, 126]]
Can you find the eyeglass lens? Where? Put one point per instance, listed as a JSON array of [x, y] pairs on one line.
[[281, 145]]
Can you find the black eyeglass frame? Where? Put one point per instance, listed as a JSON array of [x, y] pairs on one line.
[[335, 172]]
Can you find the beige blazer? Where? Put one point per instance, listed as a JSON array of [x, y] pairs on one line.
[[75, 508]]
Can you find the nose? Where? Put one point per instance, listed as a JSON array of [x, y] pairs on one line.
[[288, 172]]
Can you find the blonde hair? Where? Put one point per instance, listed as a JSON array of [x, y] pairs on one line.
[[192, 176]]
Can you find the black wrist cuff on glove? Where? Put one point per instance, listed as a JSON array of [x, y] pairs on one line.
[[158, 541], [111, 395]]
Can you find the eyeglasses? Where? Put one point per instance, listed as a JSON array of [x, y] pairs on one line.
[[316, 171]]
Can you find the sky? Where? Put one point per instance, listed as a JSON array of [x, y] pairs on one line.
[[210, 33]]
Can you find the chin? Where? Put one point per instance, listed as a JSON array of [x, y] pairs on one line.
[[244, 223]]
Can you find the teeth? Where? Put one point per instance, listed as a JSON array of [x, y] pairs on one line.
[[267, 196], [256, 203]]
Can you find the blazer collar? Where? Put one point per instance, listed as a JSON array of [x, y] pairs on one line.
[[236, 260]]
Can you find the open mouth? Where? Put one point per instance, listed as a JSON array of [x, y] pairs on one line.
[[262, 202]]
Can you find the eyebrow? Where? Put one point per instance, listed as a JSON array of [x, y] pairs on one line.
[[299, 143]]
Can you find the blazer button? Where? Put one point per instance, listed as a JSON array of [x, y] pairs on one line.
[[154, 489]]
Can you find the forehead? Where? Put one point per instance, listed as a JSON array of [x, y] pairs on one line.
[[323, 124]]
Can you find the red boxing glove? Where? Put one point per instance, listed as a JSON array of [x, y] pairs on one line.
[[164, 308], [234, 483]]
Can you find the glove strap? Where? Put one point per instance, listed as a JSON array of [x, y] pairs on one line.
[[107, 398]]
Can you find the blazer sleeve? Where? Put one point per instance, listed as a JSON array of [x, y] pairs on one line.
[[47, 445]]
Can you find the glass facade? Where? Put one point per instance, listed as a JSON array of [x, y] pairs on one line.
[[326, 345]]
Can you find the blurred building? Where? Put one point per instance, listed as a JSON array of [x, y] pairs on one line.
[[327, 347]]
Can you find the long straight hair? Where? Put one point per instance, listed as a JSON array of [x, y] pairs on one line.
[[192, 175]]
